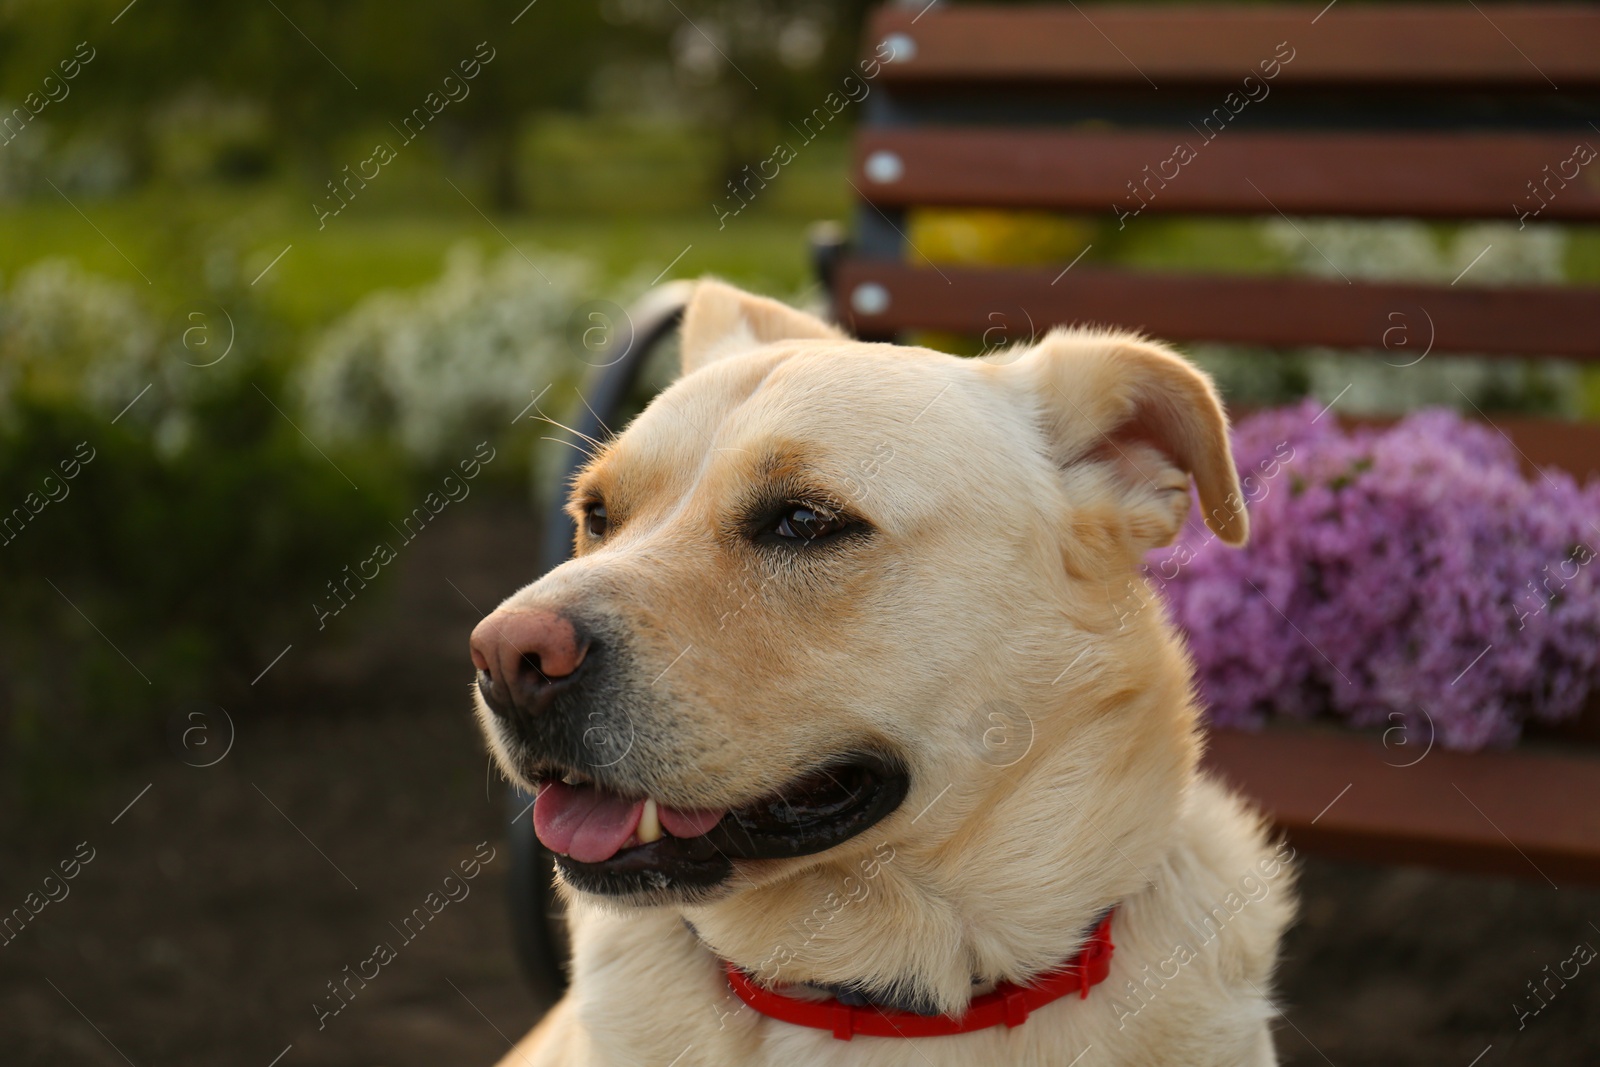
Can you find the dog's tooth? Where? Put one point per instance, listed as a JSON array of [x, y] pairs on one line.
[[649, 824], [570, 778]]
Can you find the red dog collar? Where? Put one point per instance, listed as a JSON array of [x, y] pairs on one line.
[[1008, 1003]]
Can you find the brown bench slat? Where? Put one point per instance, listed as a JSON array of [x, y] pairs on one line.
[[1243, 309], [1499, 45], [1547, 802], [1569, 445], [1439, 175], [1572, 446]]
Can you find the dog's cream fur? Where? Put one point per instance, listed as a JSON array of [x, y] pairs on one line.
[[993, 631]]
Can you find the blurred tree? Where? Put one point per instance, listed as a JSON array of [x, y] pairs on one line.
[[322, 69], [746, 68]]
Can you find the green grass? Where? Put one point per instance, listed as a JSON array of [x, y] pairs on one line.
[[324, 274], [184, 243]]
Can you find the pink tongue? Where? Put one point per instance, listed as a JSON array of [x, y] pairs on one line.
[[591, 825], [584, 822]]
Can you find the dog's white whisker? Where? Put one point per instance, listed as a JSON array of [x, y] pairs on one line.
[[539, 412], [598, 420], [593, 442], [569, 443], [536, 398]]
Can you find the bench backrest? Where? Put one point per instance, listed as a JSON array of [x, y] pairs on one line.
[[1441, 112]]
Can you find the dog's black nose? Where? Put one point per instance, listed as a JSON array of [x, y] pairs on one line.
[[524, 657]]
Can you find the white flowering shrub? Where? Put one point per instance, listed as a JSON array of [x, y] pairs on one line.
[[1409, 250], [79, 336], [1402, 379], [430, 368], [87, 341]]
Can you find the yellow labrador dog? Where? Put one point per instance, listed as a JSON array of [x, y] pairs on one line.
[[859, 739]]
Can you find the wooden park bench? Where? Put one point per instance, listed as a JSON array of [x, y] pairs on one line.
[[1438, 112]]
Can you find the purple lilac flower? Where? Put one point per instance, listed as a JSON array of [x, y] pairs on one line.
[[1393, 573]]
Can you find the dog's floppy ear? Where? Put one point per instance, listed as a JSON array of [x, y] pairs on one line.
[[722, 321], [1147, 416]]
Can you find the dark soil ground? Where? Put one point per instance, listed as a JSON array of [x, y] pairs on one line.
[[220, 904]]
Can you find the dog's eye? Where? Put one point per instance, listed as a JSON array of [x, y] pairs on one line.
[[807, 524], [594, 520]]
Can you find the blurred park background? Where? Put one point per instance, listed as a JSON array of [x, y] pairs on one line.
[[275, 275]]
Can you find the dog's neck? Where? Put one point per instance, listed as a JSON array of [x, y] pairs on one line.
[[925, 928], [901, 997], [898, 943], [856, 993]]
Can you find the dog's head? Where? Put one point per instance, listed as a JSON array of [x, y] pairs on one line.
[[832, 597]]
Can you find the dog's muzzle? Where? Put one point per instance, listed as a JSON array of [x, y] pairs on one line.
[[569, 709]]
